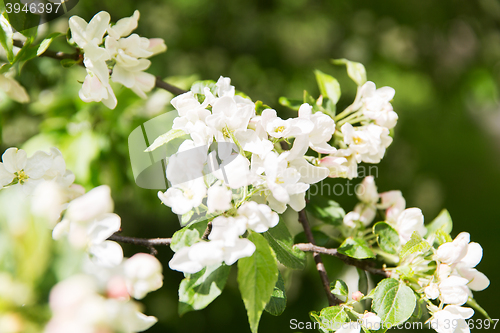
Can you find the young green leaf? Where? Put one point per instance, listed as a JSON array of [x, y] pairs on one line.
[[355, 70], [356, 248], [6, 37], [197, 291], [184, 237], [328, 212], [387, 237], [330, 318], [415, 245], [257, 276], [441, 222], [44, 45], [293, 104], [165, 138], [393, 301], [282, 243], [339, 288], [328, 86], [277, 303]]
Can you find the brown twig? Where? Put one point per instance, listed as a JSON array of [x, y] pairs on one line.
[[362, 264], [332, 300], [168, 87], [150, 243], [208, 230]]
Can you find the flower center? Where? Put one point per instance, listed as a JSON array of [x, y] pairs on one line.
[[279, 129], [357, 140], [21, 176]]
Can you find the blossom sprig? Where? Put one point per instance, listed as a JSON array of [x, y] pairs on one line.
[[42, 190], [122, 53], [434, 266]]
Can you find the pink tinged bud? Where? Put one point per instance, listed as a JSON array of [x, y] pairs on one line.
[[357, 296], [117, 288]]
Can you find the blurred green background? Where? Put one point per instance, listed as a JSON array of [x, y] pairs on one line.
[[443, 59]]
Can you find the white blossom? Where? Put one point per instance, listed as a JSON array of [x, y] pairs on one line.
[[367, 143], [78, 307], [143, 274], [88, 223], [259, 217], [410, 220], [185, 196], [453, 290], [324, 126], [451, 319], [375, 104], [218, 198], [341, 164]]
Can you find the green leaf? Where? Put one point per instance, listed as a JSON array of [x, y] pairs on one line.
[[24, 22], [184, 237], [356, 248], [260, 106], [363, 281], [320, 237], [330, 318], [339, 288], [328, 86], [44, 45], [293, 104], [387, 237], [415, 245], [442, 237], [393, 301], [196, 291], [329, 212], [282, 243], [441, 222], [257, 276], [6, 37], [165, 138], [277, 303], [355, 70]]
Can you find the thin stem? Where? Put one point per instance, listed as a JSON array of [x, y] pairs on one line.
[[150, 243], [168, 87], [332, 300], [208, 230], [364, 265]]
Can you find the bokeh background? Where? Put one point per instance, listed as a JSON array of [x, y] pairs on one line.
[[443, 59]]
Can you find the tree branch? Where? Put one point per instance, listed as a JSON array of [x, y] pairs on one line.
[[79, 56], [208, 230], [332, 300], [362, 264], [150, 243], [168, 87]]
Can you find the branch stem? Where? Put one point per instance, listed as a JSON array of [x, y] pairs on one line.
[[362, 264], [320, 267], [150, 243]]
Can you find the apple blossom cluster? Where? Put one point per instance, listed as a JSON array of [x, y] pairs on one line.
[[368, 141], [122, 53], [102, 295], [248, 162], [448, 274]]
